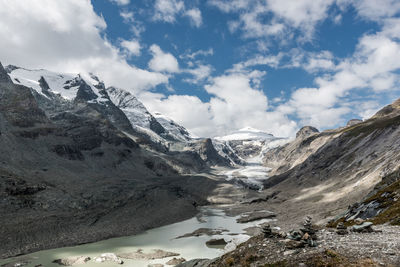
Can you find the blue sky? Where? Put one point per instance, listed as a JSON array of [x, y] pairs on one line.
[[215, 66]]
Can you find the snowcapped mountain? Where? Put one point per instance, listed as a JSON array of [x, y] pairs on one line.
[[142, 120], [67, 86], [247, 133], [246, 143], [175, 130], [59, 92]]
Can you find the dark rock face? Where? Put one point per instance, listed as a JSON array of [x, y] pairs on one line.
[[208, 153], [306, 131], [4, 78]]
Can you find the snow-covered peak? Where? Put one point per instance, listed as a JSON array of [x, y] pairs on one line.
[[63, 84], [247, 133], [131, 106], [175, 130], [143, 120]]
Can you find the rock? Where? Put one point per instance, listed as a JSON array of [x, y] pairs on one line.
[[156, 254], [365, 227], [293, 244], [155, 265], [306, 131], [282, 234], [359, 221], [70, 261], [295, 235], [109, 257], [216, 242], [204, 231], [267, 231], [308, 228], [341, 229], [257, 215], [353, 122], [175, 261], [306, 236]]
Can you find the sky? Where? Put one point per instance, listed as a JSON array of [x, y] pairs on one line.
[[215, 66]]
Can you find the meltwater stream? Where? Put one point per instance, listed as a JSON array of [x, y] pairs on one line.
[[163, 238]]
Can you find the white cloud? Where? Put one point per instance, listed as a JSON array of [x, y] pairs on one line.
[[136, 26], [161, 61], [234, 104], [195, 16], [121, 2], [275, 17], [131, 47], [375, 9], [194, 55], [200, 73], [127, 16], [167, 10], [44, 34]]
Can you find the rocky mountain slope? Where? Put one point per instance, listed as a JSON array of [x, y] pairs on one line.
[[71, 171], [325, 172]]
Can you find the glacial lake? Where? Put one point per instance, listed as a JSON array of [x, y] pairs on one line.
[[163, 238]]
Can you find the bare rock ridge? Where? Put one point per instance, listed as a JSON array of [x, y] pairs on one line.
[[306, 131], [4, 78]]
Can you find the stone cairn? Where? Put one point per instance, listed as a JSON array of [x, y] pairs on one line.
[[341, 229], [305, 236], [267, 231]]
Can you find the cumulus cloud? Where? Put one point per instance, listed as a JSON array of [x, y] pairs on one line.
[[132, 47], [193, 55], [136, 26], [274, 17], [44, 34], [161, 61], [195, 16], [167, 10], [235, 103], [200, 73]]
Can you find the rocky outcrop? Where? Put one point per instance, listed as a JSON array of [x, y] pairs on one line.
[[208, 153], [353, 122], [4, 78], [175, 261], [306, 131]]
